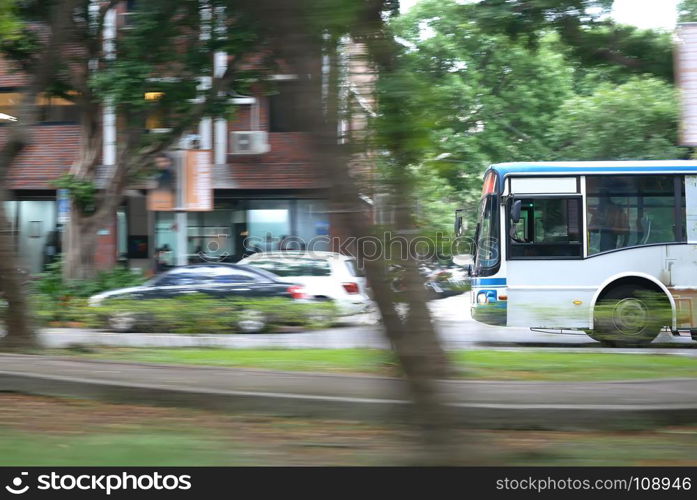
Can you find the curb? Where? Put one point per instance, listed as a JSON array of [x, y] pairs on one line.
[[472, 415]]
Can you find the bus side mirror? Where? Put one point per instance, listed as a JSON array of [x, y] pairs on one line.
[[515, 211]]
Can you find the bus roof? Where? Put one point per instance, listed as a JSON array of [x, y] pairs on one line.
[[594, 167]]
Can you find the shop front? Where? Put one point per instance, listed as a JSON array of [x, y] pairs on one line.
[[33, 222], [240, 225]]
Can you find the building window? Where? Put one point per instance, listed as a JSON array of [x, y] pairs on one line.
[[50, 109], [268, 223], [286, 110], [9, 104], [57, 110], [156, 119]]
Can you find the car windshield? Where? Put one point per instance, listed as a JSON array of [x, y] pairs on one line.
[[294, 266]]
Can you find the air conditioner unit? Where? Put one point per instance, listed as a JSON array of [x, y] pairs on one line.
[[249, 143]]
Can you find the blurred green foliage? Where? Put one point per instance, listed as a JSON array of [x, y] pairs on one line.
[[636, 120], [497, 81], [9, 23], [191, 314], [198, 313], [52, 285], [687, 11], [56, 301]]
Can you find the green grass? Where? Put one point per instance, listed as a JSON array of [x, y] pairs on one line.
[[156, 448], [47, 431], [488, 365], [563, 366], [323, 360]]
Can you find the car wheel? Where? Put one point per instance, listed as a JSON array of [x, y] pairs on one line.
[[251, 321], [629, 316], [122, 322]]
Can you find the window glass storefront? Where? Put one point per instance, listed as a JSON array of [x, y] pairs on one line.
[[239, 227], [165, 249], [312, 223], [269, 224], [11, 213], [34, 224], [212, 235]]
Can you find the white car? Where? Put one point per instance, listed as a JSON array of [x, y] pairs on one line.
[[324, 276]]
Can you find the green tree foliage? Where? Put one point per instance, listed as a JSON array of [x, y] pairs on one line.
[[533, 80], [634, 121], [436, 200], [687, 11], [592, 38], [9, 23], [166, 50], [525, 18], [489, 98], [163, 52]]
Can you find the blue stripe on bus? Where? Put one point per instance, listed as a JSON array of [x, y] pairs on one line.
[[489, 281], [596, 167], [581, 168]]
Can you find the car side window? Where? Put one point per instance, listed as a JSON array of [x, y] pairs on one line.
[[181, 279], [235, 277], [288, 267]]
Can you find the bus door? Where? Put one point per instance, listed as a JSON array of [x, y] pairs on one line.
[[544, 252]]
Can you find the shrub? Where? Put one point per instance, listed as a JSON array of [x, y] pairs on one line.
[[199, 313], [51, 282], [58, 301]]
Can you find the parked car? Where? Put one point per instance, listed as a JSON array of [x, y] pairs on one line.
[[325, 276], [214, 279]]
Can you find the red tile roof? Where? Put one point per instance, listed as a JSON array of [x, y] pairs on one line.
[[53, 149]]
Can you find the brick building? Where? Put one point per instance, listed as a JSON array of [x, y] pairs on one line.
[[266, 185]]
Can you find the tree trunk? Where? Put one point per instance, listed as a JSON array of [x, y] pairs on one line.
[[414, 339], [79, 247], [80, 232], [19, 331], [20, 334]]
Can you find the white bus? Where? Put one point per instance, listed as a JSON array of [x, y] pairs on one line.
[[609, 248]]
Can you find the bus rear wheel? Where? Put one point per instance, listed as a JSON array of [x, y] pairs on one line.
[[628, 316]]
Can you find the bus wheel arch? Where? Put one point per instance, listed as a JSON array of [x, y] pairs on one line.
[[631, 310]]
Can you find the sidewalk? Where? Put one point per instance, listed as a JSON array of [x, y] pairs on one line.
[[476, 403]]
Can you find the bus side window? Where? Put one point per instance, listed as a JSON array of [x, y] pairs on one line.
[[633, 210], [549, 227]]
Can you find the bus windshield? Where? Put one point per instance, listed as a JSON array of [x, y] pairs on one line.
[[487, 255]]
